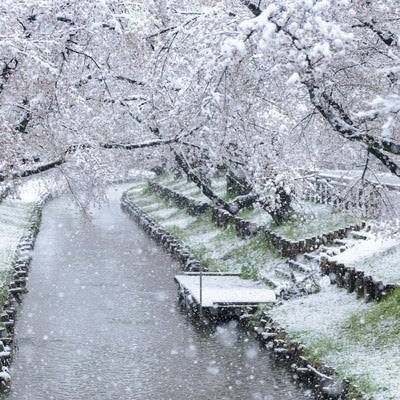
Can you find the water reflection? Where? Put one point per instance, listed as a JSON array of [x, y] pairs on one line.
[[101, 321]]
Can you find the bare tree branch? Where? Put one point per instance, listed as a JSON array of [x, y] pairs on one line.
[[387, 37], [205, 189], [6, 71], [130, 80], [33, 171], [83, 54]]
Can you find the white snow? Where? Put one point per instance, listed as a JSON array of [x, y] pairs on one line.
[[308, 314], [164, 213], [182, 222], [13, 220], [14, 215], [31, 190], [378, 257], [225, 289], [294, 78], [323, 318]]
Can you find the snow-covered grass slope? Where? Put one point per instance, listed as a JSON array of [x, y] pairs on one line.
[[15, 215]]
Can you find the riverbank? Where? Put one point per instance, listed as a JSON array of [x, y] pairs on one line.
[[345, 333], [20, 218]]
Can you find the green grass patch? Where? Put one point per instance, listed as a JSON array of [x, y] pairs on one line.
[[182, 185], [313, 220], [363, 347], [381, 321], [218, 249]]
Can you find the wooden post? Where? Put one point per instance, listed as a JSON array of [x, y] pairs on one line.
[[359, 283], [369, 288], [379, 288], [333, 272], [324, 265], [351, 280], [340, 272], [201, 294]]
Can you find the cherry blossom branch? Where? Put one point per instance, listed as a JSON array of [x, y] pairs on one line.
[[83, 146], [332, 111]]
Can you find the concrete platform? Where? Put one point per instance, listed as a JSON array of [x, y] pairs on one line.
[[224, 290]]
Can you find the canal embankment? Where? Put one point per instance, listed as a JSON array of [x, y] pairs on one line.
[[327, 331], [19, 225]]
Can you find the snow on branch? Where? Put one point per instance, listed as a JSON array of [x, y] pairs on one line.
[[34, 171], [42, 167], [310, 58], [133, 146]]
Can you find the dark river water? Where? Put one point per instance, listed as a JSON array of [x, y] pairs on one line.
[[101, 321]]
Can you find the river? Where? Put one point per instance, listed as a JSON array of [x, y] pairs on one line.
[[100, 321]]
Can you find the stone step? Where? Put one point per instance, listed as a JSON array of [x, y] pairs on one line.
[[271, 282], [358, 235], [340, 242], [286, 275], [329, 251], [298, 266], [312, 257]]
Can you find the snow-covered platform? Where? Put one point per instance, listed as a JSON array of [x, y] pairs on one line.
[[221, 295]]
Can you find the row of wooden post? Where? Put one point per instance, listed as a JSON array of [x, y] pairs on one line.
[[318, 376], [354, 280]]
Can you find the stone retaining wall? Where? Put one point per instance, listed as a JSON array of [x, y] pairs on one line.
[[292, 248], [193, 206], [15, 289], [222, 218], [179, 251]]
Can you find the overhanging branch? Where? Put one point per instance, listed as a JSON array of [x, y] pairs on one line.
[[337, 117], [83, 146]]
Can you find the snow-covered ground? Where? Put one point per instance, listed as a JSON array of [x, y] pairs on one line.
[[323, 323], [376, 256], [14, 217], [15, 212]]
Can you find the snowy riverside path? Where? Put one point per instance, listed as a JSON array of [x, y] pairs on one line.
[[101, 321]]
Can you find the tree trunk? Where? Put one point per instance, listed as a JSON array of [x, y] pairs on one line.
[[282, 209]]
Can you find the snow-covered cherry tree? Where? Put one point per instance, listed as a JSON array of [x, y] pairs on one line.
[[71, 86], [267, 88], [342, 60]]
